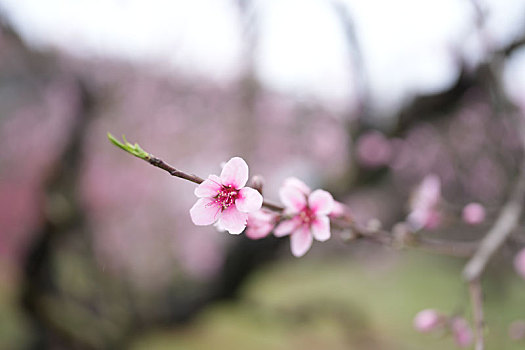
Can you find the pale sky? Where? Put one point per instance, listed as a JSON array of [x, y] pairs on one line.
[[407, 45]]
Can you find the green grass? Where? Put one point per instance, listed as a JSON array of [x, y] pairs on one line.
[[342, 304]]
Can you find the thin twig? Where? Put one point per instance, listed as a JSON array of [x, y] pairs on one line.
[[159, 163], [459, 249], [497, 235], [476, 296], [386, 238]]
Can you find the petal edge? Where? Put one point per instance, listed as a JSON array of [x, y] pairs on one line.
[[321, 202], [209, 187], [235, 173], [204, 212], [249, 200], [301, 241], [233, 220]]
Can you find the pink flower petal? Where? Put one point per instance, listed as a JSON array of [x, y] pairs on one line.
[[249, 200], [295, 182], [235, 173], [427, 194], [204, 212], [209, 187], [259, 231], [233, 220], [430, 189], [260, 224], [262, 216], [321, 228], [321, 202], [462, 332], [286, 227], [300, 241], [293, 199], [428, 320], [417, 219]]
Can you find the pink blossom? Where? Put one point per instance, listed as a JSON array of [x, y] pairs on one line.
[[424, 211], [339, 210], [225, 199], [308, 215], [519, 263], [260, 224], [373, 149], [473, 213], [461, 331], [428, 320], [298, 184]]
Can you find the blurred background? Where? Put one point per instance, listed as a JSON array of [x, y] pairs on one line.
[[362, 98]]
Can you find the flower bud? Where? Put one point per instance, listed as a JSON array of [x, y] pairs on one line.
[[428, 320], [473, 214], [461, 331], [257, 183]]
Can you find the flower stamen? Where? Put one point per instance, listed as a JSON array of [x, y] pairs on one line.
[[226, 197]]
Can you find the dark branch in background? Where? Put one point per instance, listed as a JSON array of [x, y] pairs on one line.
[[513, 46], [38, 279], [428, 107], [355, 57]]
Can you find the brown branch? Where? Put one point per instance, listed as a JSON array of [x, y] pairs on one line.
[[383, 237], [476, 296], [403, 237], [159, 163]]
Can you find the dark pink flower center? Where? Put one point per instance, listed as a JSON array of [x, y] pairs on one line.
[[307, 215], [226, 197]]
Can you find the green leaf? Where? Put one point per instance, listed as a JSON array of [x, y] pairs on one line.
[[135, 149]]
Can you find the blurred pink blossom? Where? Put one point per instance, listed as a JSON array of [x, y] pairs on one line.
[[260, 224], [461, 331], [338, 210], [373, 149], [519, 263], [473, 213], [225, 200], [428, 320], [309, 215], [424, 211], [298, 184]]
